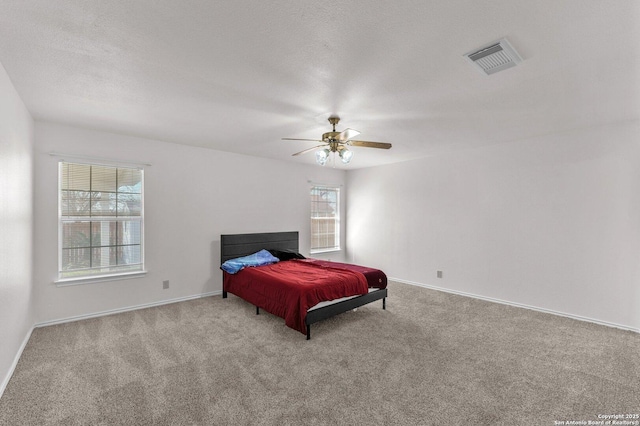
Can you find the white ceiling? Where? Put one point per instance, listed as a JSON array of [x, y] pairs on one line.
[[240, 75]]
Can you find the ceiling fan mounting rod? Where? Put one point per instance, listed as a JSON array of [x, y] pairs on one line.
[[334, 119]]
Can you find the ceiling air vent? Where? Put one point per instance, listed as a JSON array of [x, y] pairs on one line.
[[494, 57]]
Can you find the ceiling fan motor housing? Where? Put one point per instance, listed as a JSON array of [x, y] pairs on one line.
[[330, 136]]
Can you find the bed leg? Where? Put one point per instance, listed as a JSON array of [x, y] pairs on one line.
[[257, 311], [384, 303], [308, 332], [224, 294]]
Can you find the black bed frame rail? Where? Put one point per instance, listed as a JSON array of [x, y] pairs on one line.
[[337, 308], [329, 311]]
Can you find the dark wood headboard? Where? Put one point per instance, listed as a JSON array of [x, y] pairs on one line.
[[236, 245]]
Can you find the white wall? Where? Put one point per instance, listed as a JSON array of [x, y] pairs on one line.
[[16, 225], [192, 195], [551, 222]]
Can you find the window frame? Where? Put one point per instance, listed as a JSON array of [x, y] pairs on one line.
[[336, 219], [97, 276]]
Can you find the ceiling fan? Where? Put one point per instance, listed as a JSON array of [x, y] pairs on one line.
[[337, 142]]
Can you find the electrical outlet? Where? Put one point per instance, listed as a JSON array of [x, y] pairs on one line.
[[165, 284], [439, 274]]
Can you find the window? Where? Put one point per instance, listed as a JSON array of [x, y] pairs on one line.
[[325, 219], [100, 221]]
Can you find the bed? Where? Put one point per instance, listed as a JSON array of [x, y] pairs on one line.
[[330, 288]]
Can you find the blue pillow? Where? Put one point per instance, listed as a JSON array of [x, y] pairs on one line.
[[263, 257]]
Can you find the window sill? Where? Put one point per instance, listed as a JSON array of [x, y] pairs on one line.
[[64, 282], [324, 251]]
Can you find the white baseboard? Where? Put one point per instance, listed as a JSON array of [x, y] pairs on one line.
[[126, 309], [5, 382], [517, 305]]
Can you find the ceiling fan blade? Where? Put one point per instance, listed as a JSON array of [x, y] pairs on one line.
[[296, 139], [381, 145], [347, 134], [308, 150]]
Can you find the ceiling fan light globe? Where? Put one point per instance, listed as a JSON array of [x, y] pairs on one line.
[[322, 156], [346, 155]]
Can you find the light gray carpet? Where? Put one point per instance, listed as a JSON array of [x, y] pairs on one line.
[[430, 359]]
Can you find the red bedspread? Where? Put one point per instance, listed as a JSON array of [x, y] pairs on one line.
[[375, 277], [288, 289]]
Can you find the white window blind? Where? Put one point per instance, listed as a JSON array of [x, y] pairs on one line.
[[100, 220], [325, 219]]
